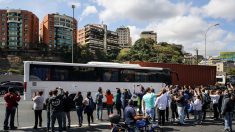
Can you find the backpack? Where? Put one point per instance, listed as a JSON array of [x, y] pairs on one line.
[[207, 99]]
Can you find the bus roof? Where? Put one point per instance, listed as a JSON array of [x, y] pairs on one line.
[[97, 64]]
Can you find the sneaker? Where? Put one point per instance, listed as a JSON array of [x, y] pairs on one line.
[[35, 127], [13, 128]]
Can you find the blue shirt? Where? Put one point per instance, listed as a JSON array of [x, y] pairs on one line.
[[149, 100], [129, 115]]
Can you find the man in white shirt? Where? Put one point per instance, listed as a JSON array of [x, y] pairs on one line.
[[161, 104], [215, 101]]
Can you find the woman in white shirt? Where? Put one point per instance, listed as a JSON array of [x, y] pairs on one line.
[[197, 107], [215, 101], [38, 107]]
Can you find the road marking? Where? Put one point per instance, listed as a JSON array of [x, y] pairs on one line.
[[92, 124]]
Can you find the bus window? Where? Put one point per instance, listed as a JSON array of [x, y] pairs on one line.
[[88, 74], [61, 73], [141, 76], [39, 73], [110, 75], [127, 75]]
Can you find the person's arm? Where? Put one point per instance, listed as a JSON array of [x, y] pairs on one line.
[[156, 102], [143, 105]]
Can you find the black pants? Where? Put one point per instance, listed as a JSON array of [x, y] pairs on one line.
[[161, 117], [119, 111], [215, 109], [9, 113], [167, 113], [90, 117], [174, 113], [38, 116], [204, 107]]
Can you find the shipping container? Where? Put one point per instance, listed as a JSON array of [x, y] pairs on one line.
[[190, 75]]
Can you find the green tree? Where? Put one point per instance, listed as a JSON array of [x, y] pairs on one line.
[[123, 55]]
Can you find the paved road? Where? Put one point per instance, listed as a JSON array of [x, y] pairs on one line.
[[26, 122]]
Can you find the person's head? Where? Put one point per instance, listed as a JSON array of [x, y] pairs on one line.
[[225, 92], [118, 90], [66, 93], [55, 92], [100, 90], [11, 90], [40, 93], [50, 93], [88, 94], [108, 92], [130, 102], [152, 90], [142, 89], [148, 90], [199, 97], [163, 90], [79, 93]]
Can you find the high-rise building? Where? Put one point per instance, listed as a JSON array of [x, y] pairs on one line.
[[96, 36], [19, 29], [149, 34], [124, 38], [58, 31]]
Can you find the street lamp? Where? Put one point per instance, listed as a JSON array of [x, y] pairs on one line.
[[73, 6], [206, 36]]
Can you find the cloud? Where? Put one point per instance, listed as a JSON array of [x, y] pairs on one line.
[[141, 10], [190, 32], [221, 9], [89, 10]]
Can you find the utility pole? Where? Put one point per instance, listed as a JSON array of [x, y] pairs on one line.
[[196, 55], [73, 6]]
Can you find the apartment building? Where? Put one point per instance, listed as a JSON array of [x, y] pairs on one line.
[[58, 31], [19, 29], [124, 38], [149, 34], [96, 36]]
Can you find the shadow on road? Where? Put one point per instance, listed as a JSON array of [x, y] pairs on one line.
[[73, 129]]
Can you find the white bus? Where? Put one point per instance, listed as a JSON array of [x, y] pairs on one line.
[[74, 77]]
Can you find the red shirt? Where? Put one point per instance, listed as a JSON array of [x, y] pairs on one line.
[[109, 99], [11, 100]]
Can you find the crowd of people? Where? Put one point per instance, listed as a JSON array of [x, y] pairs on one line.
[[180, 101]]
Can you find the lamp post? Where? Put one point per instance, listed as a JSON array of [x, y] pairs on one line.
[[73, 6], [206, 36]]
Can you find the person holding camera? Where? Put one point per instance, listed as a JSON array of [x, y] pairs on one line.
[[11, 101], [38, 107]]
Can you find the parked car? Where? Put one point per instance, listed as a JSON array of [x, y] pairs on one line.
[[17, 85]]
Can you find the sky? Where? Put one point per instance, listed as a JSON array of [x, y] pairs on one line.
[[175, 21]]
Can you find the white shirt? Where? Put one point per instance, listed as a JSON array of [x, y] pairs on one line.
[[38, 103], [215, 98], [161, 102], [197, 104]]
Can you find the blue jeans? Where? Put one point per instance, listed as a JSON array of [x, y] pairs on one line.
[[66, 114], [181, 114], [150, 112], [48, 119], [54, 116], [99, 112], [228, 121], [198, 116], [79, 110], [9, 113]]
